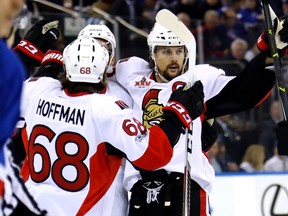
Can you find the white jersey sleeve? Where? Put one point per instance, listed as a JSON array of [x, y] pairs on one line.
[[212, 78], [116, 90], [130, 68]]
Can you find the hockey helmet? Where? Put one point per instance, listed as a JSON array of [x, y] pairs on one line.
[[161, 36], [99, 31], [85, 60]]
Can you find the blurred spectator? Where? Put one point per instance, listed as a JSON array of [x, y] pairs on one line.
[[131, 11], [225, 160], [233, 26], [150, 9], [253, 160], [252, 52], [167, 4], [276, 163], [267, 136], [280, 7], [213, 151], [71, 4], [207, 5], [231, 5], [227, 134], [184, 17], [103, 4], [252, 18], [215, 40], [235, 58], [191, 7]]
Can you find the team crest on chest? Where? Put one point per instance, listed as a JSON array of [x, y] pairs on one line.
[[142, 83], [152, 109]]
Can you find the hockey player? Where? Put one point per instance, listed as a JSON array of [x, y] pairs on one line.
[[12, 74], [150, 84], [15, 193], [52, 65], [12, 77], [77, 136]]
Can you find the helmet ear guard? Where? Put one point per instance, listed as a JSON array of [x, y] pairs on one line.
[[85, 60]]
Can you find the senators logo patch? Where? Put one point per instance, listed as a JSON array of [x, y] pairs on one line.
[[152, 110]]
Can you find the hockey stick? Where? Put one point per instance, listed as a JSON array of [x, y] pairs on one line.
[[275, 55], [173, 23], [187, 169], [187, 175], [169, 20]]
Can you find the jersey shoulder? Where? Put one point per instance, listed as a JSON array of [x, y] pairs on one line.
[[130, 68], [116, 90], [212, 78]]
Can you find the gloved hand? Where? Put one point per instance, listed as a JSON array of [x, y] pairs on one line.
[[37, 41], [281, 131], [208, 135], [281, 38], [51, 65], [187, 104], [150, 193]]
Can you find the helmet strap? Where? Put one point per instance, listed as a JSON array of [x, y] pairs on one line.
[[152, 55], [158, 74]]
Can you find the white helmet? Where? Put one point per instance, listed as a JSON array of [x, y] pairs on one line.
[[161, 36], [85, 60], [101, 32]]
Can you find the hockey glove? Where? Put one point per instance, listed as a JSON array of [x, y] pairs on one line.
[[281, 38], [282, 136], [37, 41], [149, 193], [186, 104], [209, 134], [51, 65]]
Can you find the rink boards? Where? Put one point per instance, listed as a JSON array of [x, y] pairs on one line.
[[261, 194]]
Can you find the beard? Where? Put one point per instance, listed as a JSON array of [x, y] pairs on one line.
[[169, 75]]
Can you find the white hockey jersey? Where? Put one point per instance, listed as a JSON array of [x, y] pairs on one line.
[[149, 97], [67, 169]]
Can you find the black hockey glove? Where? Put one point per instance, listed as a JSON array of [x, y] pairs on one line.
[[149, 193], [281, 37], [187, 104], [37, 41], [209, 135], [51, 65], [282, 136]]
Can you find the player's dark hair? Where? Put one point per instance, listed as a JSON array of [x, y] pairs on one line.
[[76, 87]]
